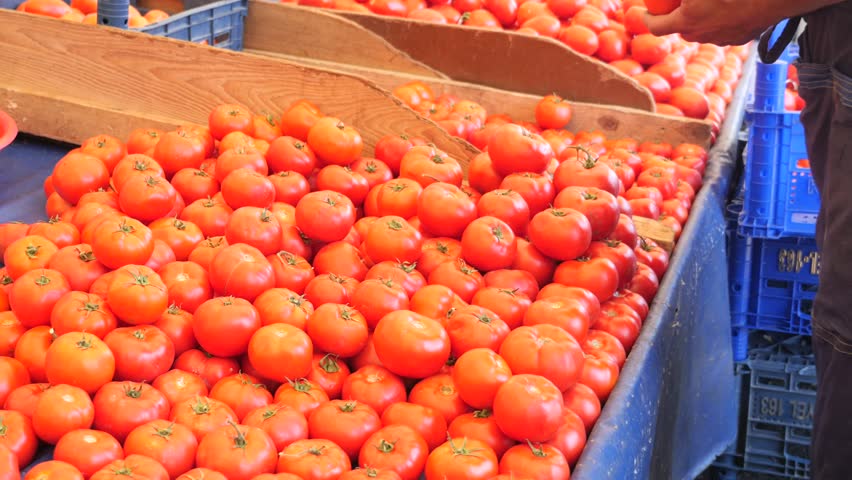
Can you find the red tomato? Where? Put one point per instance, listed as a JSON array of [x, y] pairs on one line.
[[120, 407], [140, 465], [188, 284], [600, 373], [211, 369], [18, 436], [528, 408], [598, 206], [462, 458], [314, 459], [509, 305], [242, 392], [54, 469], [445, 210], [411, 345], [330, 288], [532, 260], [241, 271], [239, 452], [599, 275], [325, 216], [280, 352], [376, 298], [580, 38], [652, 255], [426, 421], [338, 329], [560, 233], [35, 293], [514, 149], [536, 461], [478, 375], [79, 266], [347, 423], [536, 189], [171, 444], [392, 238], [88, 450], [374, 385], [460, 277], [397, 448], [571, 315], [202, 415], [280, 305], [282, 423]]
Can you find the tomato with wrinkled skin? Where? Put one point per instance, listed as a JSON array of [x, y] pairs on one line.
[[282, 423], [202, 415], [397, 448], [172, 445], [375, 386], [137, 295], [88, 450], [314, 459], [540, 462], [53, 469], [302, 395], [178, 385], [411, 345]]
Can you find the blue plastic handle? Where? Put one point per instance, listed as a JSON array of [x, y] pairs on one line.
[[113, 13]]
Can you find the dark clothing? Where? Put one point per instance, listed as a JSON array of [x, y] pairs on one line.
[[825, 76]]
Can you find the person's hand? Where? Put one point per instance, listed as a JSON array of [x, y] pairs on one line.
[[722, 22]]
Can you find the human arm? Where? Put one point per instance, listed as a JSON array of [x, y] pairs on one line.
[[729, 22]]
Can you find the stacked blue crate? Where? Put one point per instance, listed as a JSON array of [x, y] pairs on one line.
[[773, 270]]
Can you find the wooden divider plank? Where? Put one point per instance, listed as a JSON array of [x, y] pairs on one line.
[[615, 122], [142, 76], [320, 35], [507, 60], [660, 233]]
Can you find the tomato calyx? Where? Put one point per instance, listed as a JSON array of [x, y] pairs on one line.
[[371, 167], [340, 125], [53, 220], [466, 269], [484, 319], [371, 472], [265, 216], [447, 390], [165, 433], [463, 450], [644, 245], [329, 363], [299, 145], [337, 279], [537, 451], [152, 181], [200, 173], [588, 196], [407, 267], [179, 224], [85, 255], [269, 119], [385, 446], [397, 187], [90, 308], [270, 412], [42, 281], [201, 407], [3, 427], [512, 293], [483, 413], [84, 343], [32, 251], [244, 380], [133, 391], [395, 225], [301, 385], [173, 309], [611, 243], [6, 280], [124, 228], [240, 439], [583, 259], [348, 407], [498, 233]]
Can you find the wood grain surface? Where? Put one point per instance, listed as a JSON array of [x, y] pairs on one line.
[[319, 35], [92, 69], [614, 121], [507, 60]]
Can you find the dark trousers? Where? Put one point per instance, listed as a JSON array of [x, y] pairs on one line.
[[825, 74]]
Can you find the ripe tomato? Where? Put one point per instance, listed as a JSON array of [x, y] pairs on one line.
[[509, 305], [53, 469], [553, 111], [411, 345], [11, 331], [560, 233], [648, 49], [375, 386], [62, 234], [559, 357], [659, 86], [79, 266], [224, 326], [194, 184], [396, 198], [280, 305], [540, 462], [242, 392], [571, 315], [61, 409], [170, 444], [600, 373], [330, 288], [397, 448], [314, 459], [528, 408], [31, 351], [120, 407], [632, 300], [334, 142], [488, 243], [210, 368], [34, 295], [27, 253], [692, 102], [17, 435], [301, 395], [209, 215], [280, 352], [147, 198], [139, 465], [439, 393], [282, 423], [392, 238], [239, 452], [652, 255], [481, 426], [375, 298], [598, 206], [142, 140], [256, 227], [137, 295], [181, 236], [445, 210], [426, 421], [514, 149], [202, 473], [462, 458], [325, 216], [341, 258], [478, 374], [347, 423], [88, 450], [475, 327], [625, 231], [292, 271], [460, 277], [599, 275], [79, 359], [241, 271], [338, 329], [202, 415], [508, 206], [580, 38], [228, 118], [78, 173], [290, 154], [187, 283], [120, 241], [178, 385], [329, 373], [404, 275], [623, 326], [162, 255], [530, 259]]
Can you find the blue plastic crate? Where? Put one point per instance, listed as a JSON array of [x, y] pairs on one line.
[[782, 394], [219, 24], [781, 199]]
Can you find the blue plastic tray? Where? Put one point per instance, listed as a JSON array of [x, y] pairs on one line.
[[781, 199], [219, 24]]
